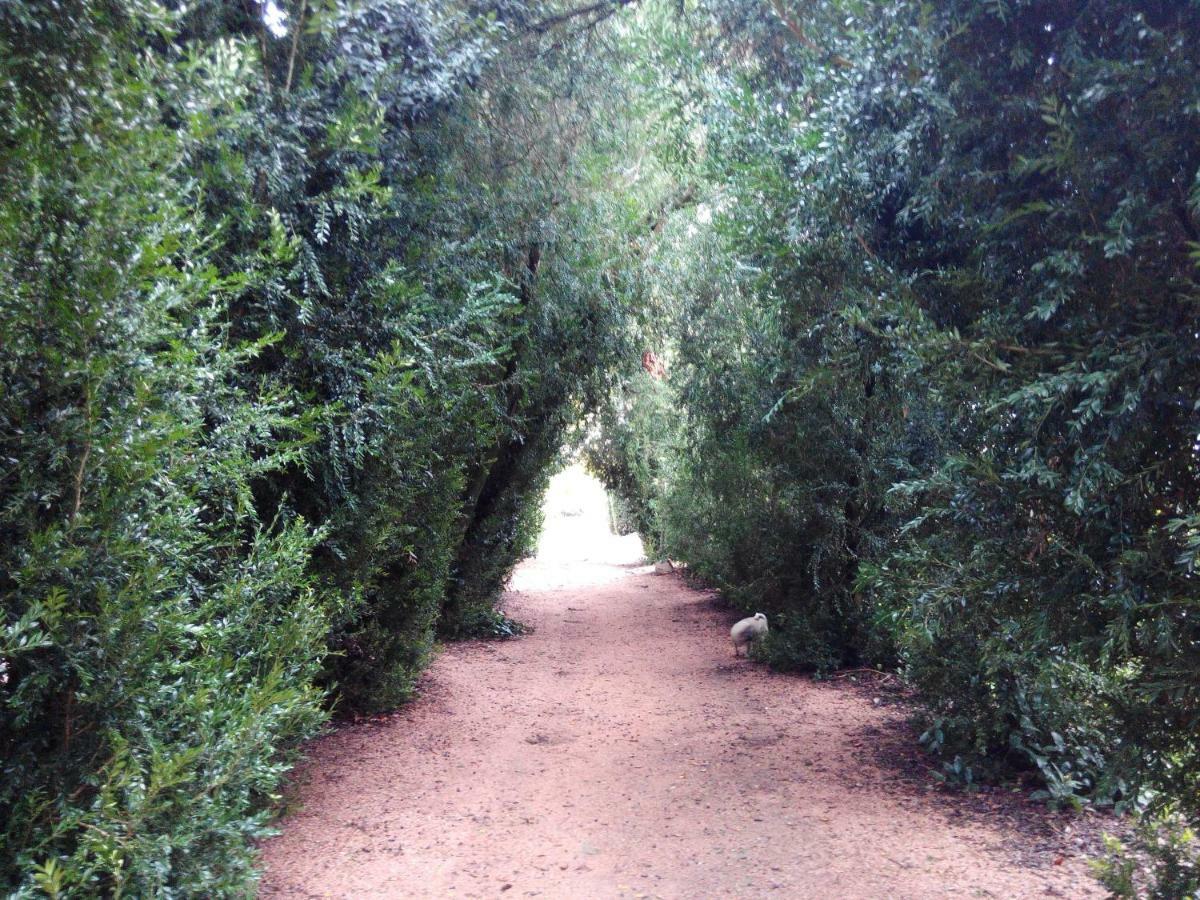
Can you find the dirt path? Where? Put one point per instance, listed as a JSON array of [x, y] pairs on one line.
[[620, 751]]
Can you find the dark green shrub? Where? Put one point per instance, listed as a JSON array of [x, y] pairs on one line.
[[1161, 863], [1044, 583], [159, 640], [933, 363], [282, 379]]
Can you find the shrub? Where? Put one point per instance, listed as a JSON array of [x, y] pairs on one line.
[[282, 378], [1161, 863], [932, 355], [159, 639]]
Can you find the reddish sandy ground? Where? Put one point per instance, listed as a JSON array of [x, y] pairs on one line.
[[620, 751]]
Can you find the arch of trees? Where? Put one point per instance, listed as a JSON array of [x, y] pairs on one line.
[[300, 301]]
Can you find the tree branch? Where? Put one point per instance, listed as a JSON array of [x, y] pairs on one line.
[[287, 85], [794, 27], [607, 7], [656, 222], [83, 457], [254, 9]]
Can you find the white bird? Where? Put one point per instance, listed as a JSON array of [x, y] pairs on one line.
[[747, 630]]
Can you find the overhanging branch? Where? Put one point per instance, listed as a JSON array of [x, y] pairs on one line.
[[794, 27], [604, 7]]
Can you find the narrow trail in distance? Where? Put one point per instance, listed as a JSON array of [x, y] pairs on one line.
[[620, 751]]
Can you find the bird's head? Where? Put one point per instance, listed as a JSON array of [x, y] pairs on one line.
[[760, 616]]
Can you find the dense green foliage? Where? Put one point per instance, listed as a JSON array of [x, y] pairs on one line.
[[161, 634], [1162, 864], [933, 366], [294, 324], [299, 303]]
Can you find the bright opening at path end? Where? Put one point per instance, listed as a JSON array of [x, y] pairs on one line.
[[577, 525]]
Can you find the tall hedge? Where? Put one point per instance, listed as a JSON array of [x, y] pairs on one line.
[[292, 330], [160, 636], [932, 365]]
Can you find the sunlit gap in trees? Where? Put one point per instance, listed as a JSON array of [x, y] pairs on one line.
[[577, 522], [274, 18]]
